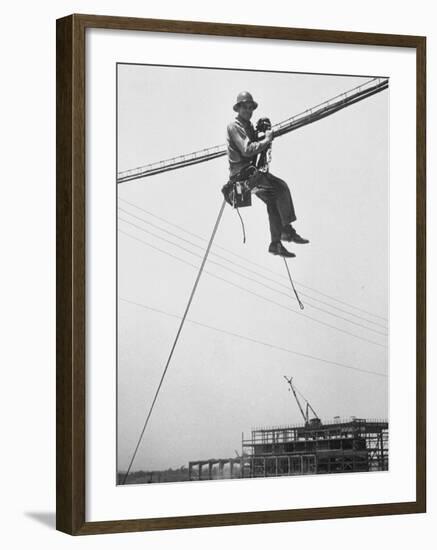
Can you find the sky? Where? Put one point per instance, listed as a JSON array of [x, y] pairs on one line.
[[219, 386]]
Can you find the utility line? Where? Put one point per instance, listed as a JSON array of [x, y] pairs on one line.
[[190, 299], [257, 264], [247, 291], [254, 340], [249, 270], [254, 280]]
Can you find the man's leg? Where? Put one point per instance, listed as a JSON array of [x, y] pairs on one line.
[[283, 199], [268, 195], [274, 221], [286, 210]]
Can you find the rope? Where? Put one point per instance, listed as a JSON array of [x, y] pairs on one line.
[[292, 285], [196, 282], [242, 224]]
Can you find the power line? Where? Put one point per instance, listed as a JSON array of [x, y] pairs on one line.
[[260, 266], [253, 280], [254, 293], [254, 340], [248, 269], [251, 271]]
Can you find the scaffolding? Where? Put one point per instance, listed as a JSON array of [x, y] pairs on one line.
[[339, 446], [353, 445]]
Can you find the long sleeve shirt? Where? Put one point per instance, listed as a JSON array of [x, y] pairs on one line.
[[242, 145]]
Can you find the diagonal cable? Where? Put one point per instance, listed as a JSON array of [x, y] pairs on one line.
[[190, 299]]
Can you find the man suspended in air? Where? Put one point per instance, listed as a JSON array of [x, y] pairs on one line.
[[244, 146]]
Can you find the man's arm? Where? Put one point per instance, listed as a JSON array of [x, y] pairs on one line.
[[241, 140]]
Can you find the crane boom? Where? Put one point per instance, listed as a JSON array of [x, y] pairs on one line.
[[290, 383], [305, 415]]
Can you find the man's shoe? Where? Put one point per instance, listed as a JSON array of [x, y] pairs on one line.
[[290, 235], [278, 249]]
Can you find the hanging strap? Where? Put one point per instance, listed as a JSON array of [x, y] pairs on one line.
[[242, 224], [292, 285]]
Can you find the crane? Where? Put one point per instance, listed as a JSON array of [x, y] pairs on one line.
[[306, 414]]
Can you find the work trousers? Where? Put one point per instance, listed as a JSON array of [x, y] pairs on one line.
[[276, 194]]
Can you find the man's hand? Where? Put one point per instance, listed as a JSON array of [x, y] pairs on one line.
[[269, 135]]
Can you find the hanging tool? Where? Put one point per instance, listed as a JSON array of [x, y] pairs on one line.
[[292, 285]]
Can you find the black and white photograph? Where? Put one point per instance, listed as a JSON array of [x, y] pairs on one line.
[[252, 274], [217, 238]]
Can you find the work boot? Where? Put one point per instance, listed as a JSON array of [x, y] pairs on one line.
[[278, 249], [290, 234]]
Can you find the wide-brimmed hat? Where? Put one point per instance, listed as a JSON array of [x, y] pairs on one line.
[[245, 97]]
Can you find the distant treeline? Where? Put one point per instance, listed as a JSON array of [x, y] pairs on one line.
[[155, 476]]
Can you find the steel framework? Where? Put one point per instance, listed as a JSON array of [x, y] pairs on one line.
[[339, 446]]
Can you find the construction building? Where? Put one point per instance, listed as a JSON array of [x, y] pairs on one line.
[[314, 447]]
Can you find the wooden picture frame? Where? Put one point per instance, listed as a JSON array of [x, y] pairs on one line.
[[71, 253]]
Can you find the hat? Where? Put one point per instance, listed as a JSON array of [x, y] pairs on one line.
[[245, 97]]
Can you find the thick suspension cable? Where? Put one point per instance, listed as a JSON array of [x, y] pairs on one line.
[[313, 114]]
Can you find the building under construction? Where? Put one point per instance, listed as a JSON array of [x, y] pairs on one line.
[[314, 447]]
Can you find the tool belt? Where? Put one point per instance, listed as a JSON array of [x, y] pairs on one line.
[[238, 190]]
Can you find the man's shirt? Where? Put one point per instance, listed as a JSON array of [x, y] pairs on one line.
[[242, 145]]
